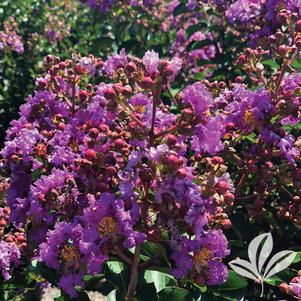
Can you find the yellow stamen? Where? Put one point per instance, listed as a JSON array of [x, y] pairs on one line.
[[107, 226], [249, 118], [70, 254], [202, 257]]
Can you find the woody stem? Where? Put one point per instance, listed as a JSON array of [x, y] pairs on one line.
[[134, 274]]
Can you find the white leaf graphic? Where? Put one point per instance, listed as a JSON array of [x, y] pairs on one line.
[[263, 245], [244, 268], [265, 252], [280, 261], [259, 251]]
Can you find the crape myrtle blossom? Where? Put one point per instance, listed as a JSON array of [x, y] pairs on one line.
[[61, 251], [100, 169], [245, 10], [202, 256], [248, 109], [9, 257], [261, 16], [9, 39], [263, 122], [12, 240]]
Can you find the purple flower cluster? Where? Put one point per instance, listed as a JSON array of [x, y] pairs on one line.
[[244, 11], [9, 39], [12, 241], [261, 15], [56, 29], [100, 169], [9, 257]]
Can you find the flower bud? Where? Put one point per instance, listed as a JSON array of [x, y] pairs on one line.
[[79, 69], [229, 126], [126, 91], [242, 59], [171, 140], [239, 79], [111, 171], [217, 160], [249, 52], [41, 197], [229, 197], [6, 210], [272, 39], [131, 67], [119, 143], [222, 187], [282, 49], [90, 154], [282, 18], [187, 114], [109, 94], [83, 95], [167, 70], [21, 238], [103, 128], [222, 85], [147, 83], [298, 26], [49, 59], [284, 288], [93, 133], [172, 161], [9, 239], [3, 222], [298, 43], [226, 224], [279, 36], [181, 173]]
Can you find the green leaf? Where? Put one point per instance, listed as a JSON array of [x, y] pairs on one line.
[[112, 296], [146, 293], [199, 44], [118, 274], [150, 249], [180, 9], [251, 137], [97, 282], [296, 65], [205, 62], [286, 275], [115, 296], [194, 28], [297, 257], [175, 294], [130, 45], [47, 273], [160, 280], [271, 63], [165, 270], [274, 281]]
